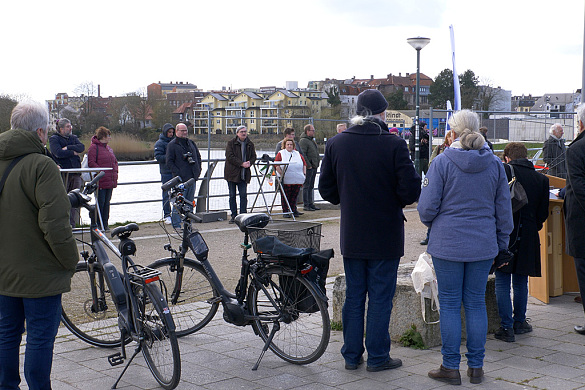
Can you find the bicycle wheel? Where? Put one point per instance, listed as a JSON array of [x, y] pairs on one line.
[[95, 325], [159, 343], [197, 301], [303, 336]]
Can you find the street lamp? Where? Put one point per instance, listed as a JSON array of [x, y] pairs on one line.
[[417, 43]]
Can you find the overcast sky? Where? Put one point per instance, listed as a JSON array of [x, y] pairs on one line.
[[533, 46]]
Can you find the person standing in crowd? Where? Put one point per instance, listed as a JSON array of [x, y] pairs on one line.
[[554, 152], [465, 200], [341, 127], [240, 155], [294, 176], [160, 154], [39, 253], [483, 130], [369, 173], [436, 151], [65, 148], [289, 133], [574, 205], [423, 146], [310, 152], [184, 160], [524, 244], [101, 155]]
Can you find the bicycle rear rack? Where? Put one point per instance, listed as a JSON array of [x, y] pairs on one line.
[[142, 275]]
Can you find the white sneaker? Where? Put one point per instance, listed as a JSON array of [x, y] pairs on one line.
[[168, 221]]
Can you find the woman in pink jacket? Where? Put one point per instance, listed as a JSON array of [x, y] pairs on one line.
[[100, 155]]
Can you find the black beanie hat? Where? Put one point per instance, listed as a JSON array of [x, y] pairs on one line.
[[371, 101]]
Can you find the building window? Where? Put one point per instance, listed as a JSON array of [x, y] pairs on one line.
[[252, 121], [218, 121]]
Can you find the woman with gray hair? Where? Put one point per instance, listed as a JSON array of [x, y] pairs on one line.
[[465, 201]]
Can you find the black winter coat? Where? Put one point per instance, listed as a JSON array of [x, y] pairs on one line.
[[525, 242], [178, 164], [553, 154], [160, 152], [233, 160], [574, 206], [368, 171]]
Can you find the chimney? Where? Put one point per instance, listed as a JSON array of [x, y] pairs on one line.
[[371, 77], [399, 74], [408, 74], [99, 90]]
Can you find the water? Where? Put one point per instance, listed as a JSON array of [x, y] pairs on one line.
[[152, 211]]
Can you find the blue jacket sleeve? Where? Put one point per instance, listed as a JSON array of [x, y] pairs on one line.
[[57, 150], [160, 152], [76, 146]]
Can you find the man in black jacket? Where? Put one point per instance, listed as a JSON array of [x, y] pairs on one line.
[[65, 148], [554, 151], [423, 146], [240, 155], [574, 205], [368, 171], [184, 160]]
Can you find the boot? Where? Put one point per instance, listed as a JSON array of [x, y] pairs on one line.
[[475, 375], [447, 375]]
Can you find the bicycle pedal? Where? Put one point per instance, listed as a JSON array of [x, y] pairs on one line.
[[115, 359], [214, 300]]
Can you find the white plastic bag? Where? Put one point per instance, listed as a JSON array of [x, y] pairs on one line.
[[86, 176], [425, 283]]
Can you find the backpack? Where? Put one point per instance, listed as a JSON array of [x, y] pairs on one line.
[[517, 193]]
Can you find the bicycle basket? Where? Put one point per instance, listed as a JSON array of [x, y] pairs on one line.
[[293, 233]]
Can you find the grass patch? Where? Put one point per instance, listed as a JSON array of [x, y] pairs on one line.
[[413, 339], [336, 325], [127, 147]]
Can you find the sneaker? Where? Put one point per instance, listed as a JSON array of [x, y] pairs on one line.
[[505, 334], [168, 221], [522, 327], [349, 366], [388, 365]]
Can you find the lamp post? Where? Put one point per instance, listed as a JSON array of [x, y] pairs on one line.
[[417, 43]]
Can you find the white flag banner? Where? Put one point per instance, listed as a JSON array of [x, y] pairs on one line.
[[456, 86]]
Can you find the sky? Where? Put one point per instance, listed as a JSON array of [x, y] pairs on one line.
[[526, 46]]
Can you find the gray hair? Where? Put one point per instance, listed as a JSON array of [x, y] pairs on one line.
[[554, 127], [360, 119], [62, 123], [240, 128], [581, 112], [30, 116], [465, 125]]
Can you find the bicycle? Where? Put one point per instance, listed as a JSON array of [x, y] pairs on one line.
[[272, 294], [106, 307]]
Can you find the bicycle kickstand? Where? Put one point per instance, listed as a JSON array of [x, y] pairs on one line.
[[275, 329], [138, 348]]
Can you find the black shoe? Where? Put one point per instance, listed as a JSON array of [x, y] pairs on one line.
[[475, 375], [447, 375], [424, 242], [522, 327], [579, 329], [349, 366], [505, 334], [297, 214], [389, 365], [233, 220], [308, 208], [315, 207]]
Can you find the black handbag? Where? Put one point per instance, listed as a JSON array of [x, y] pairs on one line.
[[517, 193]]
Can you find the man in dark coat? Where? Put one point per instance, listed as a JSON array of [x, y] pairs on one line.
[[368, 171], [184, 160], [524, 243], [423, 146], [574, 205], [554, 151], [65, 148], [160, 154], [310, 152], [240, 155]]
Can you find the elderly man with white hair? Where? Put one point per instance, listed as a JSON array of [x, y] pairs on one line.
[[554, 151]]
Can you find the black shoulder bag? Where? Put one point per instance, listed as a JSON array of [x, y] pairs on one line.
[[7, 171], [517, 193]]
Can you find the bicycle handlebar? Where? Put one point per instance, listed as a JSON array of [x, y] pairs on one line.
[[171, 183], [79, 198], [192, 216]]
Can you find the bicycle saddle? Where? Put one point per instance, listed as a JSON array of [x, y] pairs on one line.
[[270, 245], [257, 220], [121, 230]]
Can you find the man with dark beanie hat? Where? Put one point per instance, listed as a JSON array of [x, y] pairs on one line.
[[368, 172]]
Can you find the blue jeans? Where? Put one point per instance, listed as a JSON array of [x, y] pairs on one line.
[[164, 177], [459, 281], [103, 199], [377, 280], [42, 317], [243, 191], [189, 195], [520, 287]]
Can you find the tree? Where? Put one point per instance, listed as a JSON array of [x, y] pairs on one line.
[[442, 90], [469, 90], [396, 100], [7, 104], [333, 97], [162, 112]]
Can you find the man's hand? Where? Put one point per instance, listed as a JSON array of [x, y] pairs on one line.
[[246, 164], [64, 148]]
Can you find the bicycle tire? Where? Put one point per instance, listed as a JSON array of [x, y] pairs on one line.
[[304, 337], [159, 342], [198, 301], [99, 328]]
